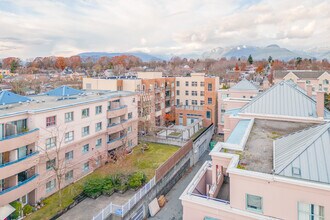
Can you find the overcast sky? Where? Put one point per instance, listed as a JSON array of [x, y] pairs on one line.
[[31, 28]]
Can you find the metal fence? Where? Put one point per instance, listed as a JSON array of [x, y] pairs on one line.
[[121, 210]]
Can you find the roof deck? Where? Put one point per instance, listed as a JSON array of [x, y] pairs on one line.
[[258, 152]]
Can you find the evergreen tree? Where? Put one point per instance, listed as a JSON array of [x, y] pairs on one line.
[[250, 59]]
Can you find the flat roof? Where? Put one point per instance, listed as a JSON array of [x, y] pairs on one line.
[[258, 153], [44, 102]]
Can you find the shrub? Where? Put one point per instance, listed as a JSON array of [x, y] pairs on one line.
[[108, 187], [93, 187], [136, 180], [18, 207], [27, 209]]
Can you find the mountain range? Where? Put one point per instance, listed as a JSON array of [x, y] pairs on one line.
[[258, 53], [240, 51], [143, 56]]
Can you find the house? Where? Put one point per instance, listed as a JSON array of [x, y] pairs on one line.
[[273, 164]]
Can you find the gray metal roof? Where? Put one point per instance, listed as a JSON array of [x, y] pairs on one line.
[[244, 84], [283, 99], [301, 74], [304, 154]]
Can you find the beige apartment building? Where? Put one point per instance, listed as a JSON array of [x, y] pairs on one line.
[[75, 131], [196, 97], [155, 95]]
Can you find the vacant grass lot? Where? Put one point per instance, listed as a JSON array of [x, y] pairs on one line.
[[146, 162]]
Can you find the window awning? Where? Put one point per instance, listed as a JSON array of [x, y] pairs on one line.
[[5, 211]]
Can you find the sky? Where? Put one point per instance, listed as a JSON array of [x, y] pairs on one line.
[[67, 27]]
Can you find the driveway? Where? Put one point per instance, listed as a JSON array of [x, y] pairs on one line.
[[173, 208]]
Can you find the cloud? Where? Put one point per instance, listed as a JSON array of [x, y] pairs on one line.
[[58, 27]]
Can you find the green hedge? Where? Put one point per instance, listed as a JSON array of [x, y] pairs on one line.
[[94, 187], [18, 208], [27, 209]]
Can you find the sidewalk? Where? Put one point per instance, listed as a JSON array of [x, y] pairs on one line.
[[173, 208], [90, 207]]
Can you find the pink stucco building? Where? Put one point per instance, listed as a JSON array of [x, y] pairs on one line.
[[234, 98], [74, 129], [274, 163]]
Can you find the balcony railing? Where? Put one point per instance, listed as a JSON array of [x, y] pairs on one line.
[[115, 124], [117, 108], [18, 160], [116, 139], [190, 107], [19, 184], [18, 135]]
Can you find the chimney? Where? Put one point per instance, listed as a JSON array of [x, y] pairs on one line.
[[309, 90], [320, 104], [301, 84]]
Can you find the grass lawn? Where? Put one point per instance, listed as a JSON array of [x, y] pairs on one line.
[[176, 134], [146, 162]]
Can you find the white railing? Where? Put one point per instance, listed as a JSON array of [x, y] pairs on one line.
[[121, 210]]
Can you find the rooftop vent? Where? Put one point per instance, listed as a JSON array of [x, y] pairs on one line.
[[296, 171]]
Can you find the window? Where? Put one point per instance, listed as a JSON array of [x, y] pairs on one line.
[[129, 115], [187, 83], [50, 185], [209, 101], [194, 93], [177, 92], [85, 113], [50, 164], [194, 83], [244, 97], [178, 102], [130, 143], [187, 102], [50, 121], [223, 96], [98, 143], [202, 102], [202, 84], [308, 82], [85, 131], [85, 148], [177, 83], [310, 211], [98, 109], [68, 116], [325, 82], [69, 175], [209, 87], [202, 93], [129, 129], [253, 203], [69, 136], [50, 142], [187, 92], [98, 126], [194, 102], [133, 100], [208, 114], [86, 167], [69, 155]]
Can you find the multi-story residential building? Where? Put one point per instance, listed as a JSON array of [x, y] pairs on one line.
[[72, 129], [234, 98], [155, 94], [274, 163], [196, 97], [319, 80]]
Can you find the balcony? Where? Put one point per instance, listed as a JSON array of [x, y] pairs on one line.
[[117, 111], [116, 127], [13, 167], [201, 186], [116, 142], [15, 141], [22, 188]]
